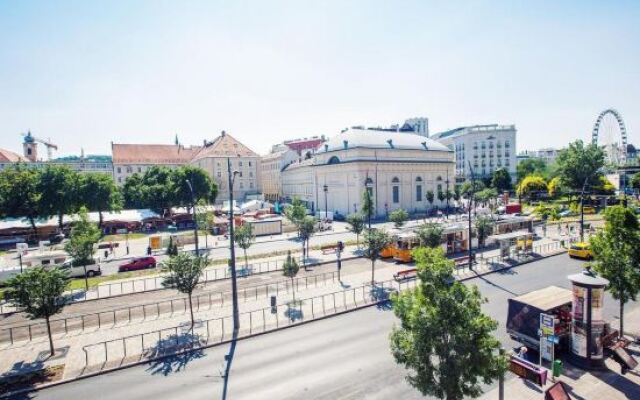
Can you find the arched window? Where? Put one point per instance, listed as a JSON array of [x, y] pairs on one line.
[[439, 178], [368, 184], [334, 160], [395, 190], [418, 179]]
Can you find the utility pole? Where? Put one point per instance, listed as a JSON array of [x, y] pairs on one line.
[[232, 251], [325, 188], [195, 218]]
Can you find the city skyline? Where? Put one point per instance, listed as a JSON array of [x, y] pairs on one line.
[[268, 73]]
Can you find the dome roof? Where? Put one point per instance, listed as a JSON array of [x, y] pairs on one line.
[[379, 139]]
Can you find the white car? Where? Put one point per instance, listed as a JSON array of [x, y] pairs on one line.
[[78, 271]]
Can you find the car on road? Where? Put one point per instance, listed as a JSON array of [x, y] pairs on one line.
[[138, 263], [580, 250], [567, 213], [76, 270]]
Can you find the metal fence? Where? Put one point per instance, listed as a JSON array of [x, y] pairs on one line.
[[152, 311], [142, 285], [150, 345]]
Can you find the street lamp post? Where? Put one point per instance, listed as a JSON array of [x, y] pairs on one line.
[[447, 195], [195, 219], [232, 251], [584, 186], [368, 185], [473, 188], [325, 188]]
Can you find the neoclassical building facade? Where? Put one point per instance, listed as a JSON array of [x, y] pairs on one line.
[[398, 168]]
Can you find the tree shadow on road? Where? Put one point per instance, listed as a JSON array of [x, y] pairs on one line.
[[173, 353], [497, 286], [23, 376], [229, 359]]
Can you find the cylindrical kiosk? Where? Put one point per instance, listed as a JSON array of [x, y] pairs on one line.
[[588, 322]]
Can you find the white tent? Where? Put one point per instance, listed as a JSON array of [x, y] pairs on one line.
[[255, 205]]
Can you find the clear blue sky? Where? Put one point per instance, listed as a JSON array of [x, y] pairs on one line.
[[87, 73]]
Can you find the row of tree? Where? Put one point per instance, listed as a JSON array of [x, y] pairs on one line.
[[55, 190], [160, 188]]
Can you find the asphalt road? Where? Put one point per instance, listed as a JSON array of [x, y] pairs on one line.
[[345, 357]]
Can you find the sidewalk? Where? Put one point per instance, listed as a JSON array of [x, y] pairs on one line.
[[606, 385]]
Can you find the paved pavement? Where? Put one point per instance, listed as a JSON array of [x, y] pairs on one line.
[[345, 357]]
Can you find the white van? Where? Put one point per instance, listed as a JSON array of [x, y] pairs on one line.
[[78, 271]]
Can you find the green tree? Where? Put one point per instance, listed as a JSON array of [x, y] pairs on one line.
[[635, 181], [133, 192], [367, 207], [486, 195], [467, 188], [531, 185], [19, 194], [579, 164], [40, 292], [204, 189], [444, 338], [399, 217], [244, 238], [290, 269], [184, 273], [156, 190], [616, 252], [441, 196], [307, 229], [58, 188], [356, 224], [99, 193], [172, 247], [296, 213], [501, 180], [484, 228], [457, 192], [375, 241], [530, 166], [554, 187], [84, 235], [430, 234], [430, 197]]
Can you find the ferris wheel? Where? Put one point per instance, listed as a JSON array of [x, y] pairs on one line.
[[610, 133]]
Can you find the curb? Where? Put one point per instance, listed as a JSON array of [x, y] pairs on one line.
[[478, 275], [137, 363]]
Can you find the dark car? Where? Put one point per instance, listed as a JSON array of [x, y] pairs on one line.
[[138, 263]]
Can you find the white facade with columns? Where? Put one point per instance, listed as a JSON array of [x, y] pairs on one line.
[[402, 167]]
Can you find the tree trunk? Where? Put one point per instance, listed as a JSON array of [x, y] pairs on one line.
[[246, 263], [373, 280], [60, 216], [32, 221], [86, 280], [293, 291], [621, 318], [358, 240], [100, 219], [52, 351], [191, 310]]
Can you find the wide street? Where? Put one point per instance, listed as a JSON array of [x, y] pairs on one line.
[[345, 357]]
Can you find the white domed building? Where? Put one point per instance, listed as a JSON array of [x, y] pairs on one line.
[[400, 168]]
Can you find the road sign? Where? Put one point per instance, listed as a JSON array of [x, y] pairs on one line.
[[547, 324]]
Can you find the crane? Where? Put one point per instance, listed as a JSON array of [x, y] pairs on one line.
[[29, 138]]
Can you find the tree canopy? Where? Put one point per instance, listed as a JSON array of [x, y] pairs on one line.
[[501, 180], [430, 234], [58, 187], [399, 217], [531, 185], [616, 251], [444, 338], [375, 241], [530, 166], [20, 194], [40, 292], [578, 164], [184, 274]]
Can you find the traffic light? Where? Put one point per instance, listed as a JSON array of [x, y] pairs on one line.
[[340, 245]]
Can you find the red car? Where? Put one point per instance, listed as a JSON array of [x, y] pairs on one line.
[[138, 263]]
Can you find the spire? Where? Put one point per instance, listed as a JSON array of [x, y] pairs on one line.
[[176, 140]]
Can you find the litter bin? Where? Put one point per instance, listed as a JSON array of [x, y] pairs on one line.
[[557, 368]]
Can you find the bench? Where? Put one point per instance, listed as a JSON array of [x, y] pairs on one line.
[[461, 261], [406, 274], [329, 249]]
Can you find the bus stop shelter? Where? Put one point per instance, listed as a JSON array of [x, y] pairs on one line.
[[514, 245]]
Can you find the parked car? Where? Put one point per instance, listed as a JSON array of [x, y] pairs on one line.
[[566, 213], [580, 250], [138, 263]]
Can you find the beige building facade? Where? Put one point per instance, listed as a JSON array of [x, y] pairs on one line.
[[400, 169]]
